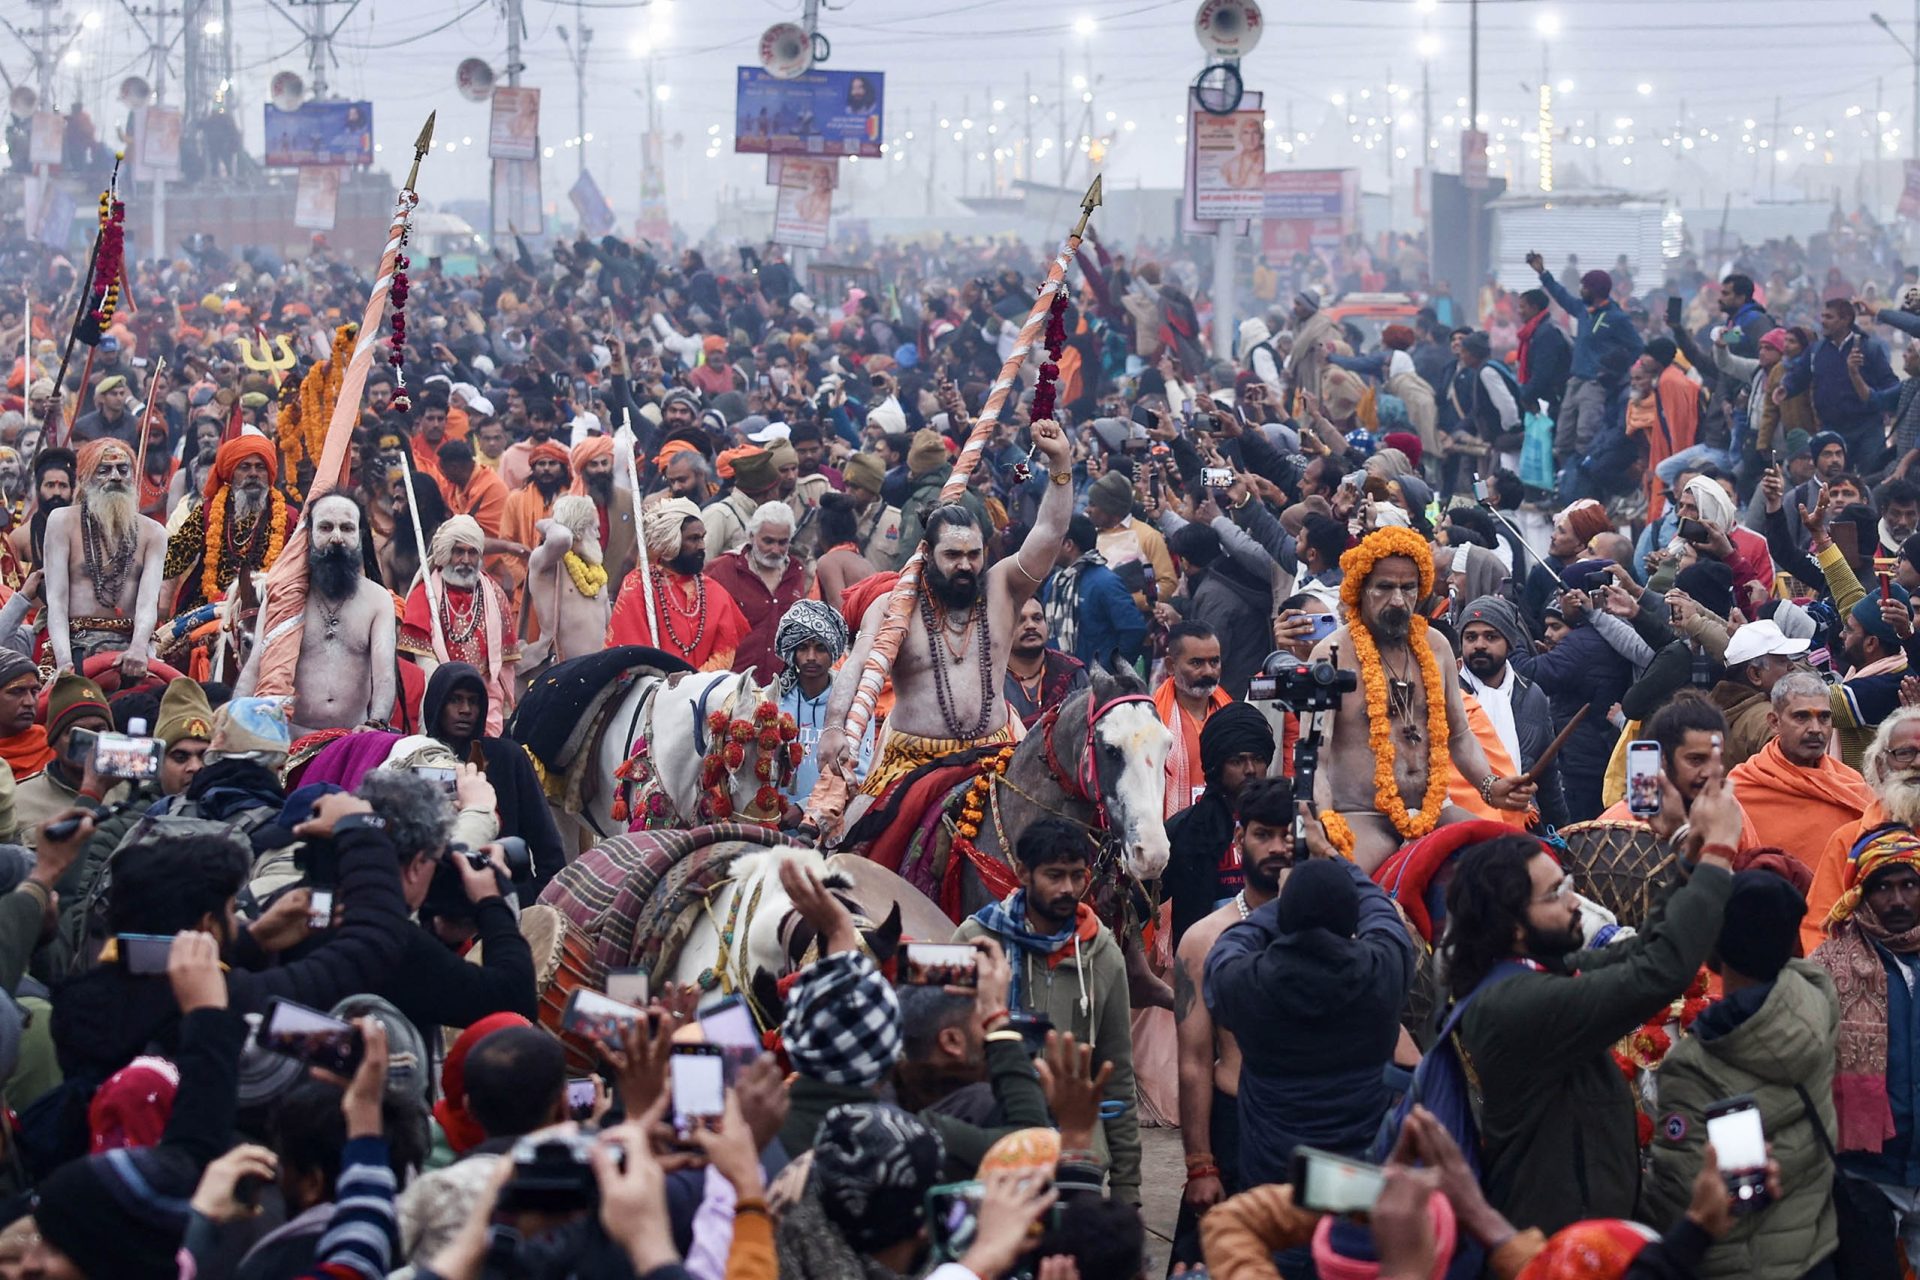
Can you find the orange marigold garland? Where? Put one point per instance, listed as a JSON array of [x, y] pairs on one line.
[[217, 566], [1357, 563]]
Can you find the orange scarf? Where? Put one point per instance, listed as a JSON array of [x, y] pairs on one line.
[[1799, 809], [26, 752], [1185, 774]]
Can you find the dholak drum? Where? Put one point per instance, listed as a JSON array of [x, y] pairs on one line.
[[570, 968], [1620, 865]]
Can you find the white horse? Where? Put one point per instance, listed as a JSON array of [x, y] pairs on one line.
[[662, 726]]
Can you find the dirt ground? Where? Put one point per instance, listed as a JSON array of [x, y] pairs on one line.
[[1163, 1176]]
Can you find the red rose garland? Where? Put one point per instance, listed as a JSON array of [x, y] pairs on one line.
[[397, 341], [1648, 1046], [770, 730], [112, 258]]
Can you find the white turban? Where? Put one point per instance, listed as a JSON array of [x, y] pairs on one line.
[[454, 531], [1716, 508], [662, 526]]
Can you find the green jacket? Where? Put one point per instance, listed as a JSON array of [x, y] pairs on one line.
[[924, 494], [1104, 1019], [1557, 1131], [1015, 1088], [1787, 1041], [66, 953]]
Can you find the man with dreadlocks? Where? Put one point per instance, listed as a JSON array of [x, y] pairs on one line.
[[566, 583], [241, 526], [698, 622], [459, 614], [811, 639], [104, 566]]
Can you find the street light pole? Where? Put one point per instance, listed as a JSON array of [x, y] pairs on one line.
[[1913, 56]]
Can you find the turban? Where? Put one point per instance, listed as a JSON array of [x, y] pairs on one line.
[[843, 1022], [464, 1133], [669, 449], [1398, 337], [816, 622], [889, 415], [548, 451], [94, 452], [236, 451], [1234, 730], [1716, 508], [591, 449], [873, 1165], [662, 526], [1586, 520], [724, 460], [455, 531], [1876, 851]]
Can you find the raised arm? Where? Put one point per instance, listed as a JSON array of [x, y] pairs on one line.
[[555, 541], [1034, 560], [57, 579]]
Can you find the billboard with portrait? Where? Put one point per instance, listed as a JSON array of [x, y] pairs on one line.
[[320, 133], [805, 201], [822, 113]]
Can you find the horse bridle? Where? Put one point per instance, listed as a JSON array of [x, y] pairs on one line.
[[1084, 786]]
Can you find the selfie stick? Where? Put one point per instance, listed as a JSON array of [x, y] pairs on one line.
[[1484, 503]]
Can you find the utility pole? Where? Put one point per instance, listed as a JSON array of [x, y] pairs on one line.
[[1063, 117], [1473, 195], [157, 75], [1026, 162], [577, 45], [514, 22]]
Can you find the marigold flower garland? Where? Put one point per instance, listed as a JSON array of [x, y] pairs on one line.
[[112, 257], [217, 565], [1357, 564], [588, 579], [770, 729]]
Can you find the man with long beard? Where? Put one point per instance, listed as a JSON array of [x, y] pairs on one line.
[[763, 577], [240, 526], [459, 614], [105, 563], [567, 585], [345, 673], [698, 622], [1891, 769], [593, 471], [1395, 738], [52, 489], [952, 662], [520, 524]]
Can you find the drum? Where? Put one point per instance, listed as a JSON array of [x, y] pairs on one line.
[[565, 966], [1620, 865]]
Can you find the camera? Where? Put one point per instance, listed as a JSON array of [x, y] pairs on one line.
[[1300, 686], [512, 848], [553, 1173]]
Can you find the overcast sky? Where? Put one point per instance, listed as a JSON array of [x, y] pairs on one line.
[[1712, 64]]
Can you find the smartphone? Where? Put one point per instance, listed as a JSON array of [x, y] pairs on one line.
[[729, 1025], [1324, 625], [80, 744], [449, 779], [1327, 1183], [1886, 592], [320, 909], [941, 964], [580, 1097], [592, 1015], [1691, 530], [1033, 1026], [1217, 477], [628, 986], [1643, 778], [697, 1074], [953, 1218], [1740, 1144], [318, 1039], [145, 953], [1674, 312], [123, 755]]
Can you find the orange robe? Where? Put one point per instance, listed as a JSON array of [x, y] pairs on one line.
[[708, 639], [1466, 794], [1186, 778], [484, 498], [524, 510], [1674, 406], [1799, 809], [1830, 875]]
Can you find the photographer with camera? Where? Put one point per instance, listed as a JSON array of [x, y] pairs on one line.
[[463, 893]]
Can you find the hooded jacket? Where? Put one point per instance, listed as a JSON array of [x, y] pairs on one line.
[[522, 803], [1773, 1043], [1317, 1017]]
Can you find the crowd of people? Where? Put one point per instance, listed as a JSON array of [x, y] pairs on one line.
[[1422, 621]]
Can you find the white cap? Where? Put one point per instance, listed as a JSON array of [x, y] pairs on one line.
[[479, 405], [584, 424], [1759, 639], [772, 433]]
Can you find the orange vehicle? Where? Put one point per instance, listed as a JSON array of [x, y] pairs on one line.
[[1372, 312]]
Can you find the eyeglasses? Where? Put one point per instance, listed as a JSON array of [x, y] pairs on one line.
[[1559, 893], [1904, 756]]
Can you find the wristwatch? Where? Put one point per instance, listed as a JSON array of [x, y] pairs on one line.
[[1060, 477]]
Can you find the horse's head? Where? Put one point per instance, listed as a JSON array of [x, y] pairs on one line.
[[781, 941], [755, 772], [1130, 746]]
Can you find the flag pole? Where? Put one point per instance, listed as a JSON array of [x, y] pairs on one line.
[[893, 626], [286, 597]]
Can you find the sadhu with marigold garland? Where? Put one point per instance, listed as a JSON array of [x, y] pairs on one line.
[[240, 525], [1392, 741]]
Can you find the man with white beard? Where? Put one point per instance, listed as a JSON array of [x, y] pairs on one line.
[[567, 584], [344, 676], [226, 533], [1891, 766], [13, 486], [459, 614], [764, 578], [104, 566]]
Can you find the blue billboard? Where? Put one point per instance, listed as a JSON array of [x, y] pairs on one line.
[[320, 133], [821, 113]]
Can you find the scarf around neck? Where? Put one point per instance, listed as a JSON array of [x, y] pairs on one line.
[[1852, 957], [1007, 920], [1525, 340]]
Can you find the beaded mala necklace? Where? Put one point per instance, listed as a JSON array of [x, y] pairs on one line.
[[476, 610], [671, 601], [936, 640], [109, 572]]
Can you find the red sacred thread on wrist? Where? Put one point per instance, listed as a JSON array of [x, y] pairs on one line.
[[998, 1015], [1717, 851], [1200, 1171]]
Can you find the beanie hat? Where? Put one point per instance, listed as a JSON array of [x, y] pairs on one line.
[[754, 471], [184, 713], [1710, 583], [843, 1022], [1406, 442], [14, 664], [1598, 283], [1797, 443], [1503, 616], [1867, 614], [1319, 894], [1345, 1250], [122, 1213], [132, 1107], [1663, 350], [873, 1165], [251, 726], [1234, 730], [1111, 494], [74, 698], [1775, 338], [928, 452], [864, 471], [1824, 439], [1477, 344], [1761, 928], [1586, 520]]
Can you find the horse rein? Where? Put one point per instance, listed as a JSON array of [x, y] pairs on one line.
[[1085, 785]]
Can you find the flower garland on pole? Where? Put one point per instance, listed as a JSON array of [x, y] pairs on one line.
[[1356, 564]]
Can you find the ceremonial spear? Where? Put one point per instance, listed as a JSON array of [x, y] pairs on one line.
[[893, 626], [625, 441], [285, 604]]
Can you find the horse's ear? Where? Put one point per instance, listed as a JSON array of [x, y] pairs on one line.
[[764, 994], [1097, 674], [1126, 679], [884, 939]]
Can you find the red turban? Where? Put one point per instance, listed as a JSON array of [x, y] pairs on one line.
[[1398, 337], [591, 449], [94, 452], [548, 451], [236, 451]]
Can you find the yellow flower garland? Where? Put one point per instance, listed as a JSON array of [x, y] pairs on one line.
[[588, 579], [1357, 564], [216, 540]]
